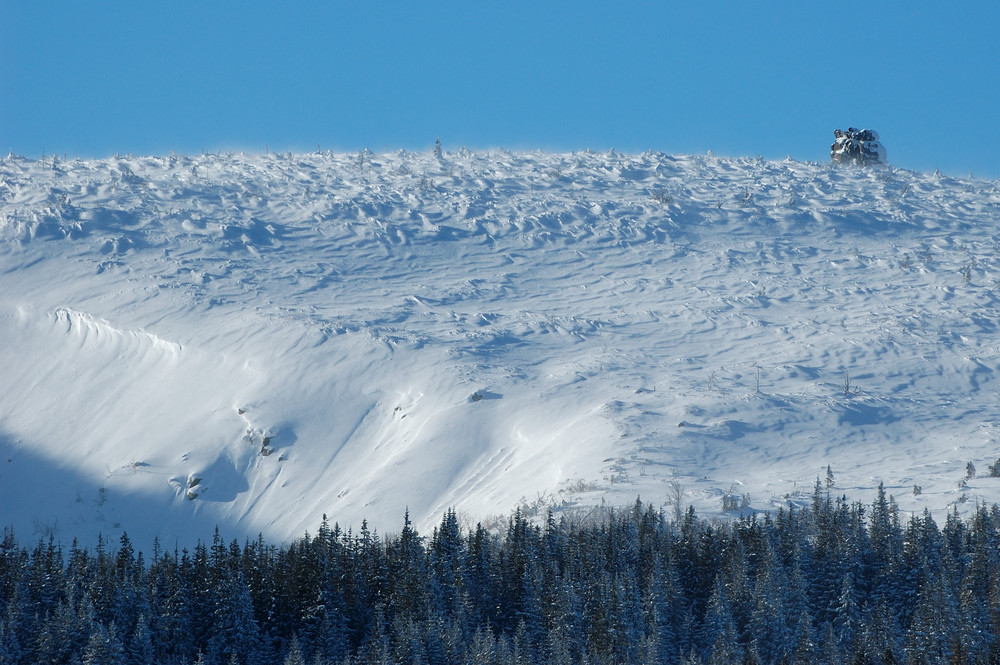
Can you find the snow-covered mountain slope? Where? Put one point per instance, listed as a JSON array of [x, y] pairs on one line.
[[256, 340]]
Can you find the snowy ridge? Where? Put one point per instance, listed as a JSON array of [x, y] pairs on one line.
[[97, 332], [255, 340]]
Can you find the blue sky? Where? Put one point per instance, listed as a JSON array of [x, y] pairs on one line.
[[95, 78]]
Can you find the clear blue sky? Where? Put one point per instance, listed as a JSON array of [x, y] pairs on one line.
[[92, 78]]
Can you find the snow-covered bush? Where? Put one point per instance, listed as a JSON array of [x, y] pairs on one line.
[[994, 469], [857, 146]]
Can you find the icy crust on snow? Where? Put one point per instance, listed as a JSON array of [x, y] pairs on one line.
[[256, 340]]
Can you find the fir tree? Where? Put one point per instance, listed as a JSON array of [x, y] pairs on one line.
[[104, 647], [294, 656]]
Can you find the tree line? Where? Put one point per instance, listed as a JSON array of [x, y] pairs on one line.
[[831, 583]]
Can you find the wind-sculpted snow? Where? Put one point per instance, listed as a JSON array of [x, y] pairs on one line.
[[257, 340]]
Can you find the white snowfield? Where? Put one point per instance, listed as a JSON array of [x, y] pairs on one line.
[[252, 341]]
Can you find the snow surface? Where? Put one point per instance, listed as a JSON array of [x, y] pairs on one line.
[[256, 340]]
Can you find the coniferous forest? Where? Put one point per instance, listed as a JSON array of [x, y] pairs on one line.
[[830, 582]]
